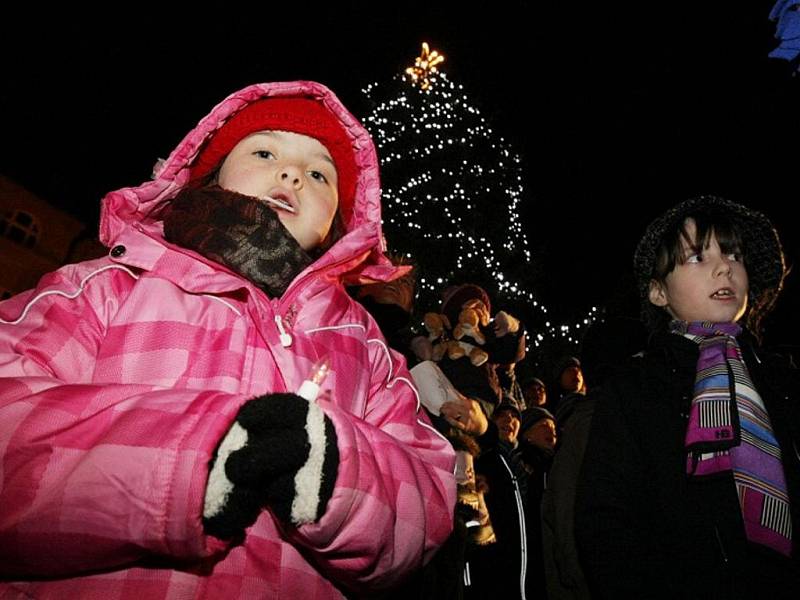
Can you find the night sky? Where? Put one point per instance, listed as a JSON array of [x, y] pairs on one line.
[[617, 114]]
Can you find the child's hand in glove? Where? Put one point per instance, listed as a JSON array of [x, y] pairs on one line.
[[280, 452]]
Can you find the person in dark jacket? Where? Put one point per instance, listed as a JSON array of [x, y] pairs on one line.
[[607, 344], [537, 434], [571, 388], [690, 485], [499, 570]]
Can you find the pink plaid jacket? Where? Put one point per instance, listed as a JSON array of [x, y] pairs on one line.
[[118, 378]]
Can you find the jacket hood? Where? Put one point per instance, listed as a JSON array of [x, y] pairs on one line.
[[358, 257]]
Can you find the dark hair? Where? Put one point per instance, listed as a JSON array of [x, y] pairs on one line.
[[737, 229], [210, 178], [463, 442], [670, 252]]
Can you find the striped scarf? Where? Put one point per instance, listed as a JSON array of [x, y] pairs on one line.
[[729, 429]]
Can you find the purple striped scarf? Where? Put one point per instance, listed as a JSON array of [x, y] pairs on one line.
[[729, 429]]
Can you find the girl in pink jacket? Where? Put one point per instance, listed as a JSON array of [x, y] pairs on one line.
[[151, 439]]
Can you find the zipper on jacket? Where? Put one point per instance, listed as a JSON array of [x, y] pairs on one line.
[[754, 353], [296, 286], [721, 545], [695, 457], [288, 300], [522, 535], [286, 339]]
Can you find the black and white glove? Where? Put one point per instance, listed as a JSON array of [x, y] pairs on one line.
[[280, 452]]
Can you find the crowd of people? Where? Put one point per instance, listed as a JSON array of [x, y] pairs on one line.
[[669, 446], [222, 406], [516, 494]]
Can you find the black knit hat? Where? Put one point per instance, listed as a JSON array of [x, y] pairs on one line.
[[563, 364], [532, 415], [531, 381], [508, 405], [766, 268]]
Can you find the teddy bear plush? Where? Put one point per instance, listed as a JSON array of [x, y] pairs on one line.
[[467, 334], [468, 321], [437, 326], [468, 327], [476, 354]]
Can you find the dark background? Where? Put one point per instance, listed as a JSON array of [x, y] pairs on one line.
[[617, 113]]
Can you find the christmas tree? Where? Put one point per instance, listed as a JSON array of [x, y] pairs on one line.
[[452, 193]]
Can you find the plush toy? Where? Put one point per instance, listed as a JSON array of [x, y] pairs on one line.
[[468, 327], [480, 307], [437, 326], [457, 349], [468, 320], [422, 348]]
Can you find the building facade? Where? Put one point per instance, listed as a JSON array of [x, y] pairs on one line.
[[36, 238]]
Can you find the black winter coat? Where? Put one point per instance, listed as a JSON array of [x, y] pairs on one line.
[[643, 529], [500, 569]]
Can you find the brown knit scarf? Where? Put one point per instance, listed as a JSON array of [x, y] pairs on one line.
[[236, 231]]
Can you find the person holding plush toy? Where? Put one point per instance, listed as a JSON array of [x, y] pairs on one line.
[[484, 343]]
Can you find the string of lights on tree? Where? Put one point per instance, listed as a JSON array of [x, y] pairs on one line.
[[452, 193]]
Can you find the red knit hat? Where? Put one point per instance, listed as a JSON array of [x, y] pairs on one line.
[[297, 115]]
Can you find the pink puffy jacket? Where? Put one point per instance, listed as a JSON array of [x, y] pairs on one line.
[[119, 377]]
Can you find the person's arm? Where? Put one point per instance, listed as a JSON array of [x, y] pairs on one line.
[[393, 501], [505, 340], [95, 475], [558, 502]]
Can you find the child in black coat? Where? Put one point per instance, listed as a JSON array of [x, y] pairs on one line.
[[690, 486]]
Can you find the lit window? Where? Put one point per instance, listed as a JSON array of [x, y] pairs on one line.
[[20, 227]]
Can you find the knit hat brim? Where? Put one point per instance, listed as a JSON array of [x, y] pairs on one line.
[[508, 406], [564, 363], [533, 415], [306, 116], [455, 297]]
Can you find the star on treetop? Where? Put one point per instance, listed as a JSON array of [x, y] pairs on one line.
[[424, 66]]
